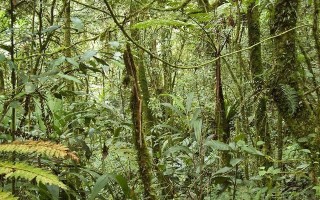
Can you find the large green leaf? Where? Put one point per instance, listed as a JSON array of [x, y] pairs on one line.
[[175, 149], [217, 145], [51, 29], [87, 55], [101, 182], [223, 170], [70, 78], [252, 151], [58, 61], [189, 101], [29, 88], [2, 57], [235, 161], [77, 23], [73, 62], [197, 126], [160, 22], [173, 108], [105, 179]]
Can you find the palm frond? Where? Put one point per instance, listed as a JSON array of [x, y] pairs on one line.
[[46, 148], [25, 171], [7, 196]]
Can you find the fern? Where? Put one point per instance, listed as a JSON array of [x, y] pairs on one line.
[[7, 196], [46, 148], [291, 98], [25, 171]]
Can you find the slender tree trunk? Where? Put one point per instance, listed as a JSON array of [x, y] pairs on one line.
[[149, 120], [280, 141], [315, 28], [13, 81], [67, 39], [257, 70], [223, 129], [2, 83], [144, 160]]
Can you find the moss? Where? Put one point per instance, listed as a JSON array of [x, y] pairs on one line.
[[143, 157]]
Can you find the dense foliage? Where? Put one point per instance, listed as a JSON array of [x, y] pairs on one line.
[[159, 99]]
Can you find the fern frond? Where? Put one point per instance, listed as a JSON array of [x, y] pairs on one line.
[[291, 98], [7, 196], [25, 171], [39, 147]]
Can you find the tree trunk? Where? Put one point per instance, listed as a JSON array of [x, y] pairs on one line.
[[285, 88], [144, 160], [256, 71], [222, 129]]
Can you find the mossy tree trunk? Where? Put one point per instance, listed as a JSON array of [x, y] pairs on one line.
[[296, 114], [144, 160], [315, 28], [148, 118], [223, 128], [256, 69], [67, 39], [292, 108]]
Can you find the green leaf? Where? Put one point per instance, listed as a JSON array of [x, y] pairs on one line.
[[7, 196], [189, 101], [123, 184], [217, 145], [101, 182], [58, 61], [51, 29], [239, 137], [2, 57], [262, 173], [78, 24], [87, 55], [175, 149], [303, 166], [259, 143], [291, 98], [305, 150], [160, 22], [197, 126], [15, 104], [202, 17], [104, 180], [52, 72], [223, 9], [235, 161], [70, 78], [252, 151], [29, 88], [25, 171], [176, 110], [223, 170], [72, 62]]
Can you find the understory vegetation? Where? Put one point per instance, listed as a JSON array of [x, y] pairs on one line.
[[159, 99]]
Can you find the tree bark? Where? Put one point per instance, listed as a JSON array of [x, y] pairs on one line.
[[143, 155], [256, 69]]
